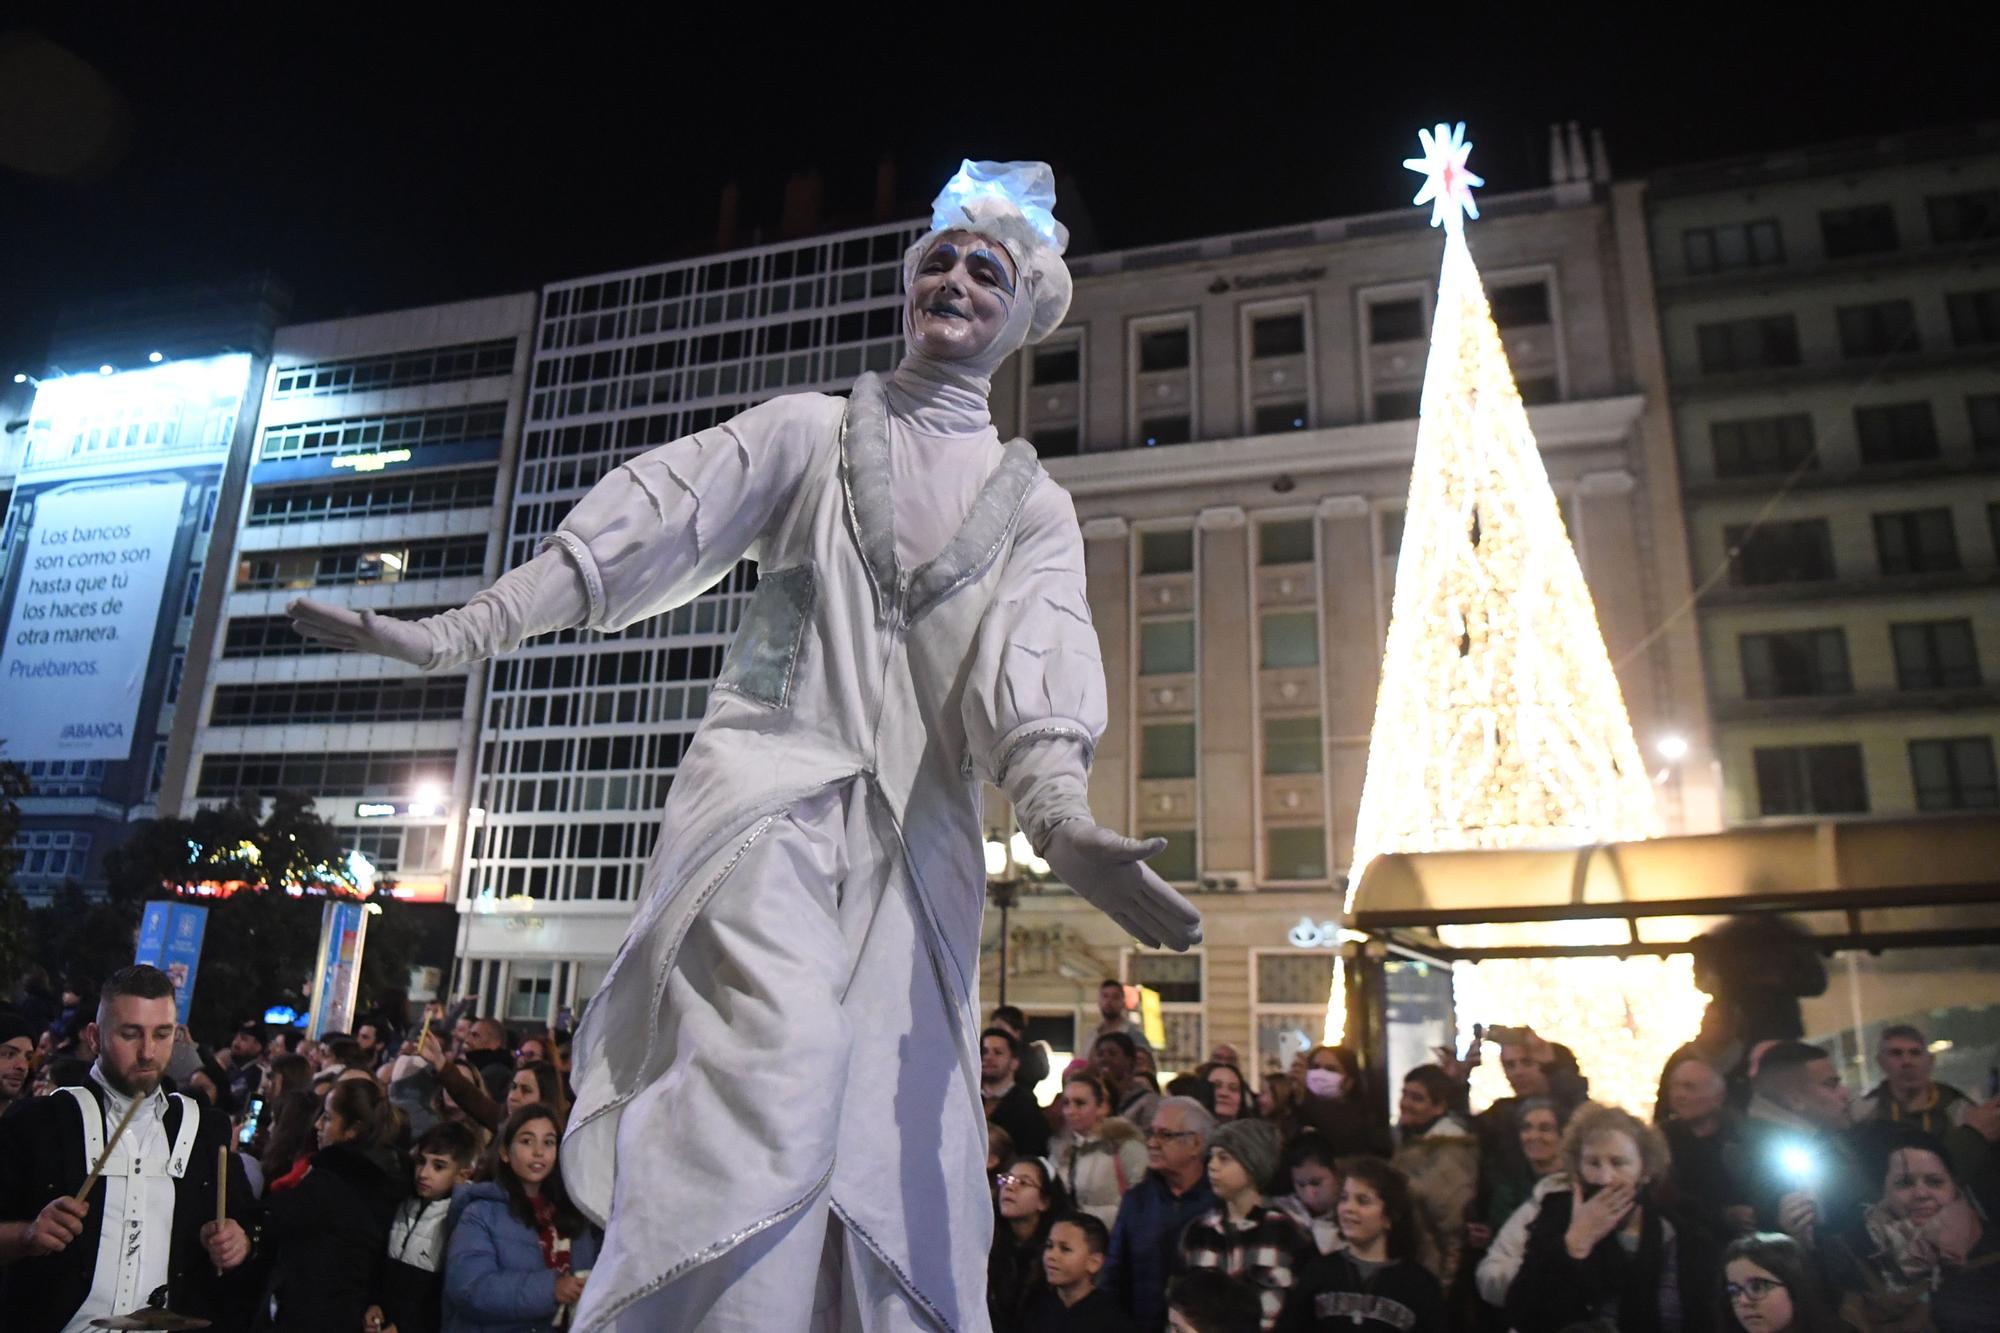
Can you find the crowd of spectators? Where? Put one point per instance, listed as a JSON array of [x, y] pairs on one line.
[[408, 1179]]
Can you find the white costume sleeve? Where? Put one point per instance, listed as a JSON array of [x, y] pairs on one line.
[[661, 529], [1034, 702], [543, 595]]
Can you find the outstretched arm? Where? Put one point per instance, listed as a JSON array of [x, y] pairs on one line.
[[651, 534], [1034, 708], [543, 595]]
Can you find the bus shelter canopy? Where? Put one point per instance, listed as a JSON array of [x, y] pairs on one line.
[[1879, 883]]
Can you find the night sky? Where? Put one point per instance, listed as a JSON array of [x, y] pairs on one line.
[[374, 161]]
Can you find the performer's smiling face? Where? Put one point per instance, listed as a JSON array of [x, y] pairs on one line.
[[134, 1038], [964, 290]]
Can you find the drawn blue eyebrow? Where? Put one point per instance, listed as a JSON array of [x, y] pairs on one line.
[[999, 268]]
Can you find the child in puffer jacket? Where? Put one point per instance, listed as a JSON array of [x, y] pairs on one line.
[[519, 1250], [410, 1294]]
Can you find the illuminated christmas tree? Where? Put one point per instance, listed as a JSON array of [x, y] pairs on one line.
[[1499, 722]]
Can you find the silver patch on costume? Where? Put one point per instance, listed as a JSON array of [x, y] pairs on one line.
[[766, 650]]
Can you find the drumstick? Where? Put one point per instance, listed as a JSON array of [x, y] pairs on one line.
[[221, 1183], [90, 1181]]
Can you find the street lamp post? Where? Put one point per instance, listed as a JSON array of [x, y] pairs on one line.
[[1007, 858]]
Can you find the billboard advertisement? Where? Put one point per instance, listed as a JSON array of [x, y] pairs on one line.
[[93, 572], [337, 976]]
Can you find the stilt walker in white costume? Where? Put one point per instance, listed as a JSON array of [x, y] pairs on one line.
[[778, 1115]]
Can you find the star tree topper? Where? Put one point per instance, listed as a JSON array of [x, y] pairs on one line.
[[1447, 186]]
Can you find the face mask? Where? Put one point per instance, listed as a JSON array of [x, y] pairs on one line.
[[1324, 1082]]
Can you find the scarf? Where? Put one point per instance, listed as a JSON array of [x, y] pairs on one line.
[[555, 1248]]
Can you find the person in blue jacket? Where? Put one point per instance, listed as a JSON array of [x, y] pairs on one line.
[[519, 1249]]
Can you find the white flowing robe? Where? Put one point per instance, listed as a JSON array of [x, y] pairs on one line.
[[867, 699]]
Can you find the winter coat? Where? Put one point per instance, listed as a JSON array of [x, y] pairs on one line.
[[1097, 1171], [494, 1278], [328, 1238], [1510, 1243], [411, 1293], [1442, 1165], [1145, 1246], [1021, 1116], [1676, 1261]]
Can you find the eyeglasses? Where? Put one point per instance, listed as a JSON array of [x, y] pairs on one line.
[[1026, 1182], [1162, 1135], [1753, 1291]]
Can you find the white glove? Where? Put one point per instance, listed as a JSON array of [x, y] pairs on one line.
[[1108, 870], [361, 631]]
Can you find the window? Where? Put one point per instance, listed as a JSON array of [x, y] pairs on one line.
[[1177, 863], [430, 365], [1896, 433], [1538, 389], [1291, 745], [1056, 442], [530, 988], [1163, 349], [1166, 551], [1167, 750], [425, 699], [1784, 552], [1062, 364], [1175, 429], [273, 636], [1880, 328], [1916, 541], [450, 557], [1519, 304], [1795, 662], [322, 773], [1176, 979], [1396, 321], [405, 430], [1166, 647], [1983, 410], [1971, 216], [176, 666], [1289, 992], [1765, 342], [1290, 639], [1733, 246], [1287, 541], [1810, 780], [1868, 229], [1276, 418], [1762, 446], [1975, 317], [373, 497], [1935, 655], [1954, 774], [1295, 853], [1278, 335], [1398, 404]]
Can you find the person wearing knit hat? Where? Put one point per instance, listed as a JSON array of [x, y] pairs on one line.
[[776, 1114], [17, 1050], [1246, 1236]]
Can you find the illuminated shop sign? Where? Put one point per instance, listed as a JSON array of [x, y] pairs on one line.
[[391, 809], [371, 462]]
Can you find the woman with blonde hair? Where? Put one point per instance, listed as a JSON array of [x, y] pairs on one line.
[[1608, 1249]]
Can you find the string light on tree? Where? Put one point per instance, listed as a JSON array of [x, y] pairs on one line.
[[1499, 722]]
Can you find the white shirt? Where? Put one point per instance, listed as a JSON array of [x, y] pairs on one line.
[[137, 1237]]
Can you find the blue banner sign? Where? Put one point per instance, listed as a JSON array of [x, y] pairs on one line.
[[170, 939]]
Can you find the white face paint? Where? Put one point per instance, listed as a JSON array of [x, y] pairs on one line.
[[963, 294]]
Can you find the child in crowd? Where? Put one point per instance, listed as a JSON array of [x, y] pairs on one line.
[[1309, 1167], [1212, 1302], [1245, 1237], [1375, 1282], [412, 1289], [1071, 1261]]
